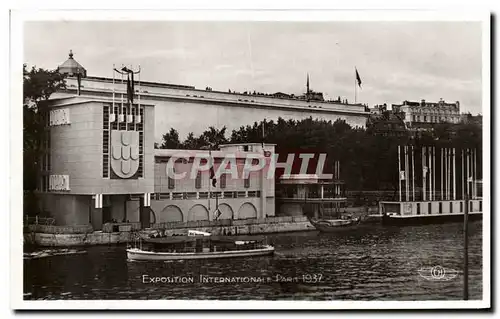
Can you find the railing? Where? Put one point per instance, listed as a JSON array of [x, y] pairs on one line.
[[229, 222], [53, 229], [117, 227], [39, 220]]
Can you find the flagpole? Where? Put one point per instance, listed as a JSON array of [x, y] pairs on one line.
[[139, 92], [113, 104], [424, 167], [433, 173], [355, 89], [399, 171], [209, 180], [121, 105], [413, 172], [407, 174]]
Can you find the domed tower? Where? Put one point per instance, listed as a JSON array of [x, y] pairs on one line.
[[72, 68]]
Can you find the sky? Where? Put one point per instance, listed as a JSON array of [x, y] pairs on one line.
[[397, 61]]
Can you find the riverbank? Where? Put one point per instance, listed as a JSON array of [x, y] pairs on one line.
[[52, 237]]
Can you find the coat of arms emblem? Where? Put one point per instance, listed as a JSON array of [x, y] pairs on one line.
[[124, 153]]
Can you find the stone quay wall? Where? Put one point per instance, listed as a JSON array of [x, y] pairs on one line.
[[55, 238]]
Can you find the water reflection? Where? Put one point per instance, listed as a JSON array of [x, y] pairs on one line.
[[373, 263]]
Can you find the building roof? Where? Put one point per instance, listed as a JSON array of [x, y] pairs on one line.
[[72, 67]]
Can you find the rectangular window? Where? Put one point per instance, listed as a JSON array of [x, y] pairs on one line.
[[197, 182], [440, 207], [430, 209], [223, 181], [480, 205], [418, 208], [425, 118], [461, 207], [470, 204], [171, 180], [451, 207]]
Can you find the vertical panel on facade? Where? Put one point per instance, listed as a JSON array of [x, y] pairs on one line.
[[140, 127], [105, 142]]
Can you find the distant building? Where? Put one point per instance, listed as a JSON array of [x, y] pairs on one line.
[[468, 118], [378, 109], [425, 114], [386, 123], [174, 105]]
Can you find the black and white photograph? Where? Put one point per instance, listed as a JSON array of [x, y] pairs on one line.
[[290, 159]]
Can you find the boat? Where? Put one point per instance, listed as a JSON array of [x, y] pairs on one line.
[[198, 245], [429, 212], [334, 225], [402, 220], [436, 201]]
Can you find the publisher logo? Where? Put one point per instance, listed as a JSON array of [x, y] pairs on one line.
[[437, 273]]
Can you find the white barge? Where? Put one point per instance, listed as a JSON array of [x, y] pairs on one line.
[[429, 212]]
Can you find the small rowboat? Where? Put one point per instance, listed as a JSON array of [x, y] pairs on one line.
[[334, 225]]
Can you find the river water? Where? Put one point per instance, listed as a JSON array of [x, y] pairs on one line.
[[374, 262]]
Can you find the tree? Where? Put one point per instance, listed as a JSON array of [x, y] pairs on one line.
[[191, 142], [368, 159], [213, 137], [171, 140], [38, 86]]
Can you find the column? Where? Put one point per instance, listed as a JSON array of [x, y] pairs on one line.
[[144, 211]]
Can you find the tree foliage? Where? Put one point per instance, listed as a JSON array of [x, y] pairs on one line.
[[38, 86], [210, 139], [368, 159]]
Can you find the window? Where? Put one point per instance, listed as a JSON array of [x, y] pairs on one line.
[[470, 204], [245, 148], [440, 207], [430, 209], [425, 118], [461, 207], [171, 180], [197, 182], [223, 181], [247, 182], [418, 208], [451, 207], [480, 205]]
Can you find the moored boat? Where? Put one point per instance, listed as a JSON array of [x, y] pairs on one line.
[[429, 212], [198, 247], [334, 225]]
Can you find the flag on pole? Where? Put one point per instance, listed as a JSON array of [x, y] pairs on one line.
[[358, 78], [402, 176], [212, 171], [307, 83], [212, 177], [217, 213], [130, 84]]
